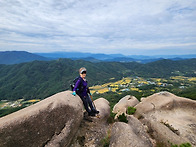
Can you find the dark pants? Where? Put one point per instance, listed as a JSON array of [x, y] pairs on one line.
[[88, 102]]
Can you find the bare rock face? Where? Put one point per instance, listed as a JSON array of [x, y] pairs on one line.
[[92, 129], [51, 122], [102, 105], [57, 121], [124, 103], [129, 135], [170, 119]]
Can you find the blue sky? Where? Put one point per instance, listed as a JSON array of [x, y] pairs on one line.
[[128, 27]]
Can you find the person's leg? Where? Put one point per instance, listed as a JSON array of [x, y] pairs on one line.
[[90, 103], [84, 100]]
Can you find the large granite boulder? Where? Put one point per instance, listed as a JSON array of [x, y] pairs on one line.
[[170, 119], [102, 105], [124, 103], [93, 129], [129, 135], [51, 122]]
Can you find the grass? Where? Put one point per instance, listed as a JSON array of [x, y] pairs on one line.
[[111, 118], [4, 112], [123, 118], [131, 110], [106, 139], [181, 145]]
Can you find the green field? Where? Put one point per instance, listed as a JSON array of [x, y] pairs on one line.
[[143, 87], [7, 107]]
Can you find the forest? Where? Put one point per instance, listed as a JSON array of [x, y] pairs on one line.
[[40, 79]]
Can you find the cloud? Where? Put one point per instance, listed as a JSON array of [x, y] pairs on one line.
[[107, 26]]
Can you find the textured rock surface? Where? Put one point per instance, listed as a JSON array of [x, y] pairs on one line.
[[51, 122], [92, 129], [124, 103], [102, 105], [58, 122], [170, 119], [129, 135]]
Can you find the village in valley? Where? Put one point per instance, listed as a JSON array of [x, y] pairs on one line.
[[17, 103], [7, 107], [136, 85], [140, 84]]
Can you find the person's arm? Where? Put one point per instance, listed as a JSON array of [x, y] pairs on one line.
[[77, 85]]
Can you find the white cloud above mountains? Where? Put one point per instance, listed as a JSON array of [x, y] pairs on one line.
[[105, 26]]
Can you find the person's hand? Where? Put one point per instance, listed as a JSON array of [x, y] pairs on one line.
[[74, 93]]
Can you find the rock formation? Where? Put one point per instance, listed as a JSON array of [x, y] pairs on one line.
[[161, 119], [92, 129], [51, 122], [132, 134], [124, 103], [170, 119]]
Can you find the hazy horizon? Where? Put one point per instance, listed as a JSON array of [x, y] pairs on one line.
[[58, 52]]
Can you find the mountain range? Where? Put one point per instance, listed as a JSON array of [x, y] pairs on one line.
[[40, 79], [109, 56], [113, 57], [15, 57]]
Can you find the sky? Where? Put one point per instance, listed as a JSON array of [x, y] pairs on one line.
[[129, 27]]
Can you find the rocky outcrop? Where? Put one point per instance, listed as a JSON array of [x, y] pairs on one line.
[[132, 134], [170, 119], [124, 103], [102, 105], [51, 122], [58, 121], [93, 129]]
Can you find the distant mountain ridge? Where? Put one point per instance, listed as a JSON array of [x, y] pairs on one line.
[[79, 55], [114, 57], [109, 56], [15, 57]]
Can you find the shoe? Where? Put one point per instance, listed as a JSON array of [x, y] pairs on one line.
[[96, 112], [91, 114]]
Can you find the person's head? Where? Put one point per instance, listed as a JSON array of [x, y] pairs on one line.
[[82, 72]]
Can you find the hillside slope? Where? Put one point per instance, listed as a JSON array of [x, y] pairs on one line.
[[15, 57], [39, 79]]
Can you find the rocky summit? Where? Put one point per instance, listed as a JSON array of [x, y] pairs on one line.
[[51, 122], [162, 119]]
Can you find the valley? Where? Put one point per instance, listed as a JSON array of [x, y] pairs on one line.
[[7, 107], [143, 87], [114, 91], [24, 84]]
